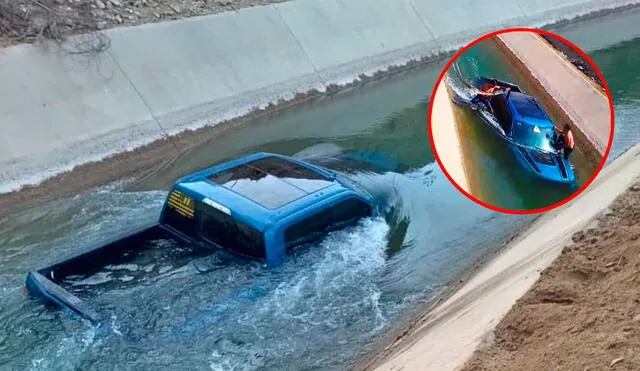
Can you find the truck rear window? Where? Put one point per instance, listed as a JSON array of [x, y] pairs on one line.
[[231, 234], [271, 182], [317, 225], [180, 213]]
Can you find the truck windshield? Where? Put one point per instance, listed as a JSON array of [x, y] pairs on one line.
[[533, 136], [231, 234]]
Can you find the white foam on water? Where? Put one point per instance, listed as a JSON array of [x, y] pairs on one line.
[[95, 279], [67, 350], [326, 282], [115, 327], [128, 267]]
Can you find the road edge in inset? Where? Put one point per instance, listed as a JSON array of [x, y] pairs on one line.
[[445, 127]]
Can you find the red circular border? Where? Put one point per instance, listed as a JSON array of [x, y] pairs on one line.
[[611, 110]]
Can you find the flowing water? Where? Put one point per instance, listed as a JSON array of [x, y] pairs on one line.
[[171, 307]]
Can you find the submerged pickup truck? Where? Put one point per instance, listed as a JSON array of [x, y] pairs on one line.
[[522, 123], [260, 206]]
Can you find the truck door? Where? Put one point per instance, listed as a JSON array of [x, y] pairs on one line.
[[502, 112]]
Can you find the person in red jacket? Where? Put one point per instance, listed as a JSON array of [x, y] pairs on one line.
[[486, 92], [567, 141]]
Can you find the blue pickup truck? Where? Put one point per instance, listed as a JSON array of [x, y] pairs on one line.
[[261, 206], [522, 123]]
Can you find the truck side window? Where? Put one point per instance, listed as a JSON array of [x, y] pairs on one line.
[[180, 213], [180, 222], [317, 225], [231, 234]]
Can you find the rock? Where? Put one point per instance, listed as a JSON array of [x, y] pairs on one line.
[[578, 236], [223, 2], [635, 188], [119, 19], [40, 23], [98, 13], [115, 2], [616, 361], [156, 15], [175, 8], [100, 4], [101, 25]]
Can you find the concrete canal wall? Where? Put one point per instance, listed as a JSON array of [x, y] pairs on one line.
[[580, 101], [61, 106], [444, 337], [447, 141]]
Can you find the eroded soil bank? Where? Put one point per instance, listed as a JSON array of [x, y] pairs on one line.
[[584, 310], [30, 20]]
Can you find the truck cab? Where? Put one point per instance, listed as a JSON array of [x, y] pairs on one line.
[[262, 206]]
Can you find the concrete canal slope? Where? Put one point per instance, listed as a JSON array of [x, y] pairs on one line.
[[91, 97], [447, 142], [448, 335], [581, 101]]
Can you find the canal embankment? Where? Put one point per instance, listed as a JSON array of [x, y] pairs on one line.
[[447, 142], [444, 337], [97, 96], [564, 90]]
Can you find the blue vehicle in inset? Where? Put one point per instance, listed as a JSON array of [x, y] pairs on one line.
[[521, 121], [262, 206]]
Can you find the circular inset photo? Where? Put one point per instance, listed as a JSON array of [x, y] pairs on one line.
[[521, 121]]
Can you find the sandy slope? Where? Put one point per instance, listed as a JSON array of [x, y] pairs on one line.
[[454, 329], [583, 312]]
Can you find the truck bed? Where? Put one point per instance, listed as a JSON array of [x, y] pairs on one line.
[[45, 282]]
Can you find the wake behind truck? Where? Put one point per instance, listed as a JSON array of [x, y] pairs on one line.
[[261, 206]]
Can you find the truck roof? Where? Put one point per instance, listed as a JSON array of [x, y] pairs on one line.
[[262, 188], [529, 110]]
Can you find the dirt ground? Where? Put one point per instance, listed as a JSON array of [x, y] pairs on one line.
[[575, 58], [29, 20], [583, 313]]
